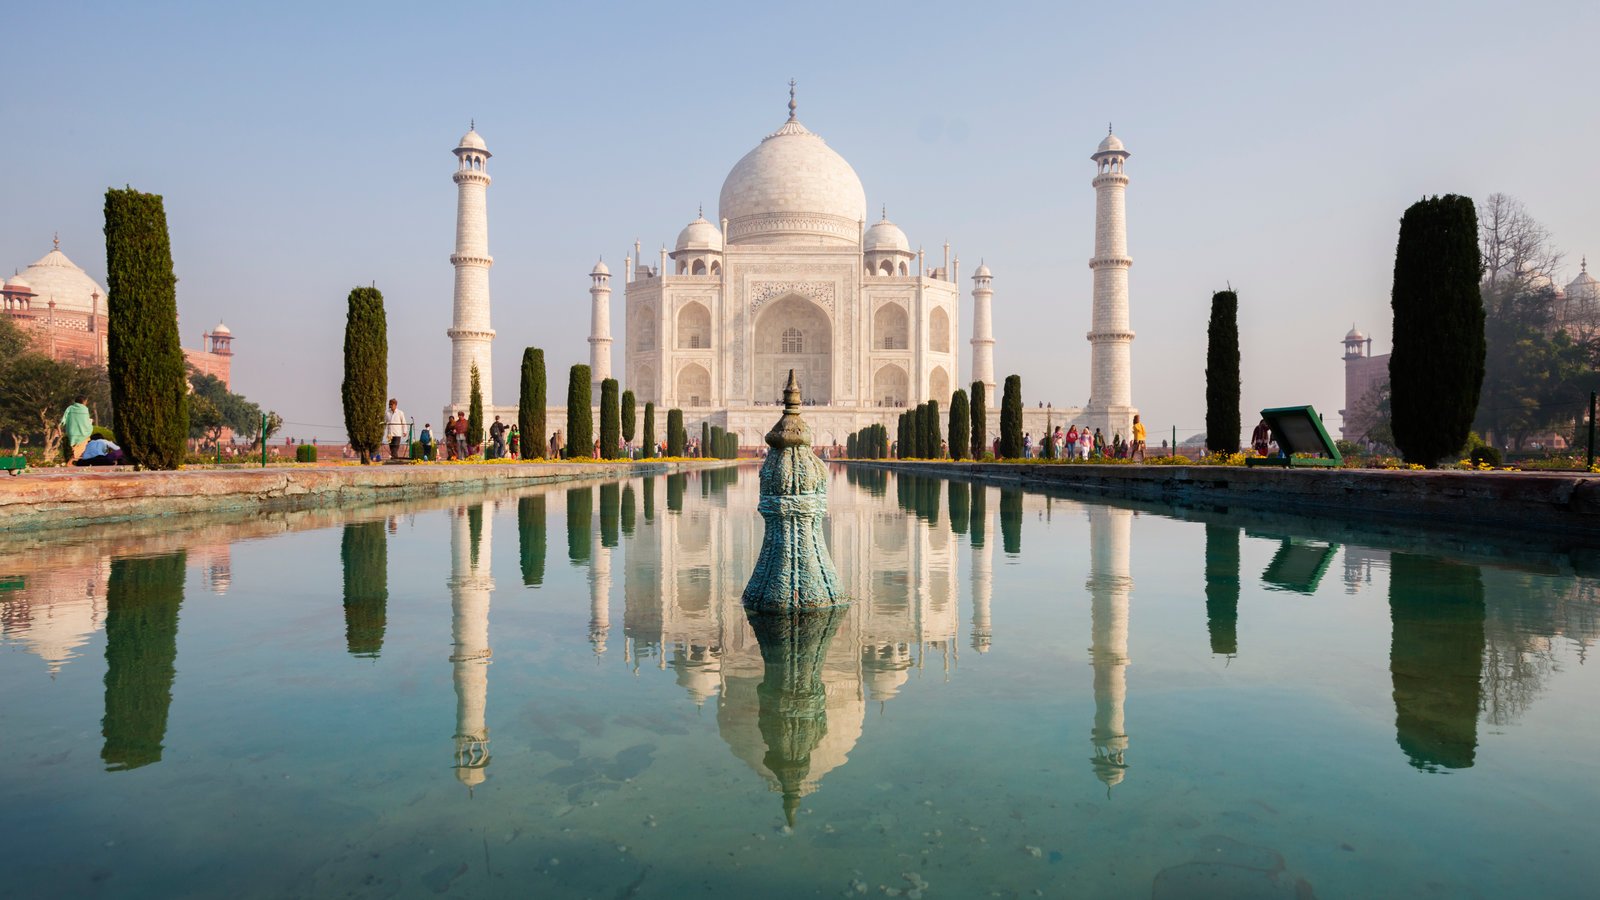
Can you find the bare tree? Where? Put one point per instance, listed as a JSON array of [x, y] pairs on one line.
[[1518, 252]]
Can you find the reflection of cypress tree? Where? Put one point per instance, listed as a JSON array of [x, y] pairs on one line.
[[705, 485], [980, 513], [474, 531], [1435, 659], [793, 712], [1222, 588], [928, 499], [649, 488], [959, 499], [364, 550], [628, 510], [580, 502], [1011, 520], [905, 492], [610, 510], [531, 537], [675, 485], [142, 600]]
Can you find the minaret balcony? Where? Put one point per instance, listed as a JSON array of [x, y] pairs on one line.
[[468, 259], [1111, 262]]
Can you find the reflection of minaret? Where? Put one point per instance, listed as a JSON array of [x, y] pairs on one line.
[[982, 570], [142, 599], [1222, 588], [1436, 659], [1110, 581], [599, 595], [470, 590]]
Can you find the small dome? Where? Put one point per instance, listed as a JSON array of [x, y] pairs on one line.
[[982, 272], [600, 268], [885, 236], [1355, 335], [1111, 145], [221, 330], [55, 276], [1584, 279], [700, 235], [472, 141], [16, 283]]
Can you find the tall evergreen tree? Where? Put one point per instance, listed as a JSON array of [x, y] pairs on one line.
[[902, 437], [366, 371], [630, 416], [960, 425], [580, 418], [676, 435], [980, 421], [1436, 367], [1011, 418], [705, 439], [647, 440], [1222, 374], [934, 439], [475, 411], [530, 406], [610, 422], [149, 390]]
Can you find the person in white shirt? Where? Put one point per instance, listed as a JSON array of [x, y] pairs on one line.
[[395, 428]]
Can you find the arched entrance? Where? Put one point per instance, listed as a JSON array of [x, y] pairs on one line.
[[694, 386], [889, 386], [793, 333]]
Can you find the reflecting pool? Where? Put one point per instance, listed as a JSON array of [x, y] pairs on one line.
[[555, 692]]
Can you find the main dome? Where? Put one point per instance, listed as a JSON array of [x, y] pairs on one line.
[[793, 189]]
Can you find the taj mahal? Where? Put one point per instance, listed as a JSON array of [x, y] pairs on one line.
[[793, 275]]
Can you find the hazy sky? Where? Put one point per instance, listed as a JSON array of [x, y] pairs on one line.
[[304, 149]]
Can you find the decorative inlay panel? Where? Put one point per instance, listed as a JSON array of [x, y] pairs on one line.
[[819, 291]]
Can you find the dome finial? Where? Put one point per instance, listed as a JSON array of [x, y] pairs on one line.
[[1108, 128], [472, 124], [791, 100], [702, 210], [58, 240], [886, 212]]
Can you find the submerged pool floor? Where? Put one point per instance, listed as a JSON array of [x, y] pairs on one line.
[[555, 692]]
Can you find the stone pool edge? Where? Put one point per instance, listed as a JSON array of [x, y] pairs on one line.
[[1550, 502], [66, 500]]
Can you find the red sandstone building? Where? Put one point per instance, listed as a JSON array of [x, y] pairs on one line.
[[64, 310]]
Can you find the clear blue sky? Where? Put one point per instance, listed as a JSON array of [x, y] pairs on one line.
[[304, 149]]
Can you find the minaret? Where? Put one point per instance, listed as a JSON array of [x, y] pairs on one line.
[[470, 589], [470, 334], [1110, 533], [1110, 370], [599, 329], [983, 333]]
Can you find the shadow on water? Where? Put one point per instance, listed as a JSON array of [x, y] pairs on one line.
[[364, 554], [143, 595]]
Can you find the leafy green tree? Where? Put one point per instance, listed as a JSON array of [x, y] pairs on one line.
[[530, 406], [960, 425], [647, 440], [1222, 374], [1436, 367], [610, 422], [475, 411], [980, 420], [238, 414], [676, 435], [366, 371], [37, 390], [149, 394], [630, 416], [205, 420], [580, 418], [1011, 418]]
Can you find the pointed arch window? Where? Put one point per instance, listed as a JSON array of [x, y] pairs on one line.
[[793, 341]]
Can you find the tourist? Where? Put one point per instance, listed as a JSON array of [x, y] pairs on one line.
[[1072, 442], [557, 444], [449, 437], [1099, 448], [77, 426], [1027, 445], [1261, 438], [497, 434], [516, 440], [99, 452], [461, 436], [395, 428], [1138, 439], [426, 440]]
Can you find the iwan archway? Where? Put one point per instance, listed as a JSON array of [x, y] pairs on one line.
[[793, 333]]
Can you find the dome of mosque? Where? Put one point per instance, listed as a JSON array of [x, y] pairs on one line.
[[1355, 335], [885, 236], [1585, 286], [982, 272], [1111, 145], [700, 235], [55, 277], [792, 188], [600, 268], [18, 283], [221, 330], [472, 141]]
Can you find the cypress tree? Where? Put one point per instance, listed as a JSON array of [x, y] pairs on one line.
[[1436, 367], [960, 425], [647, 440], [475, 411], [705, 438], [902, 437], [980, 421], [530, 406], [714, 447], [149, 387], [676, 435], [1011, 418], [366, 371], [630, 416], [580, 418], [850, 447], [934, 438], [610, 421], [1222, 374]]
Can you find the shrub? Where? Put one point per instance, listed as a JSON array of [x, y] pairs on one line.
[[306, 453], [1485, 454]]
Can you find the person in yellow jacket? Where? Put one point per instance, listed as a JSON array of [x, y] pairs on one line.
[[1138, 439]]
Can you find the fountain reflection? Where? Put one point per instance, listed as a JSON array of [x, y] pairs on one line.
[[143, 595], [793, 699], [471, 587], [364, 555], [1110, 582]]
